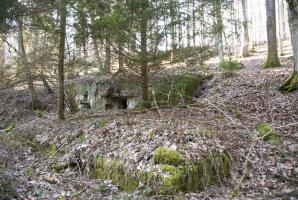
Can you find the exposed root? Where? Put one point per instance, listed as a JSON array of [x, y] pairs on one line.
[[290, 84]]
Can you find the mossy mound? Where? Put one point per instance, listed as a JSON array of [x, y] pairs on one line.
[[163, 155], [290, 84], [167, 179], [176, 90], [268, 134]]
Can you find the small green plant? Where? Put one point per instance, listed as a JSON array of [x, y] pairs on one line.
[[40, 113], [209, 132], [163, 155], [268, 134], [52, 150], [29, 171], [103, 123], [60, 197], [9, 128], [81, 136], [229, 67]]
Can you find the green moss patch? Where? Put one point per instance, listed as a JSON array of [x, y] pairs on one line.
[[176, 90], [163, 155], [103, 123], [268, 134], [208, 132], [290, 84], [194, 176], [116, 172], [167, 179]]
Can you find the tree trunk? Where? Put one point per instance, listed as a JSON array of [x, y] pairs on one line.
[[144, 55], [291, 83], [96, 52], [188, 22], [173, 28], [46, 84], [293, 21], [219, 31], [2, 58], [245, 37], [234, 19], [120, 56], [85, 52], [36, 103], [194, 23], [279, 25], [165, 28], [107, 56], [62, 36], [272, 59]]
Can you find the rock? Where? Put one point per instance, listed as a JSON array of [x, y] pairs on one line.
[[173, 147], [51, 179]]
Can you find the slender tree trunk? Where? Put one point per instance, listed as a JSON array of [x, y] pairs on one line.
[[280, 24], [107, 56], [36, 103], [245, 36], [120, 56], [96, 52], [165, 28], [188, 26], [62, 37], [134, 43], [194, 34], [180, 28], [173, 28], [144, 54], [2, 58], [272, 59], [85, 52], [46, 84], [219, 32], [234, 19], [97, 56]]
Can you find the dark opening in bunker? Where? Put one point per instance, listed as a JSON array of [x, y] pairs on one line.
[[115, 103]]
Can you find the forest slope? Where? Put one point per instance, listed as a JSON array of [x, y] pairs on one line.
[[224, 118]]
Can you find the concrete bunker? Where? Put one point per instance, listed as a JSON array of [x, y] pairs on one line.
[[106, 93]]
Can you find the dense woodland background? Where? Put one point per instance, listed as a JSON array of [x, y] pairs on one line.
[[240, 122]]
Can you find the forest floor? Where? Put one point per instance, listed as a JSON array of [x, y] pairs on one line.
[[230, 108]]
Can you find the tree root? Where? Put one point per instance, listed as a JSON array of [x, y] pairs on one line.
[[290, 84]]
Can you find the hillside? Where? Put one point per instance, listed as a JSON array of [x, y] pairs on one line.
[[243, 115]]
